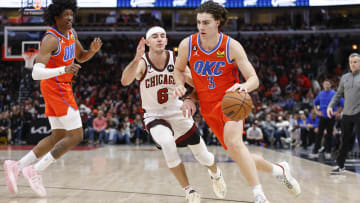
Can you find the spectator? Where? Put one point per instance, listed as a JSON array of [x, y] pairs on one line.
[[321, 103], [254, 134], [99, 126], [139, 132], [5, 127], [268, 126], [113, 124], [16, 125], [282, 131]]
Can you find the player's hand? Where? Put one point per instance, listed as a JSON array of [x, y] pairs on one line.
[[319, 113], [329, 112], [95, 45], [188, 108], [73, 68], [140, 50], [180, 90], [237, 87], [337, 115]]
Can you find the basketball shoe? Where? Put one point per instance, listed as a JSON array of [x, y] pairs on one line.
[[261, 199], [313, 155], [12, 172], [327, 155], [219, 185], [193, 197], [35, 180], [337, 171], [286, 179]]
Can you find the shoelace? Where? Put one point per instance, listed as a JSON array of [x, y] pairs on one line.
[[283, 179], [219, 182], [36, 178]]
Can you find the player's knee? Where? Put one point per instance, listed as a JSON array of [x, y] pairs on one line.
[[166, 142], [205, 158], [162, 135], [173, 163], [201, 154]]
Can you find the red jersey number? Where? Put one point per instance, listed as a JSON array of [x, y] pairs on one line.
[[162, 95]]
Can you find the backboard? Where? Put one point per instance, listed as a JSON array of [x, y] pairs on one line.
[[18, 39]]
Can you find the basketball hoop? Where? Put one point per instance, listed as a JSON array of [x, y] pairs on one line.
[[29, 57]]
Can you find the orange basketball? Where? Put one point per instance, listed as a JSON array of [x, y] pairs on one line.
[[236, 105]]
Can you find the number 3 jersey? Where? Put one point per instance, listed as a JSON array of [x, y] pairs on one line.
[[212, 71], [157, 89]]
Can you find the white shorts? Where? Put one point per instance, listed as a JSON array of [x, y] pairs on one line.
[[70, 121], [178, 124]]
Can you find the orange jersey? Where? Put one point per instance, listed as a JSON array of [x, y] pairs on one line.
[[212, 71], [57, 91]]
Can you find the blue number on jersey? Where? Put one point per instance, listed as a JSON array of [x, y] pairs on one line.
[[211, 81]]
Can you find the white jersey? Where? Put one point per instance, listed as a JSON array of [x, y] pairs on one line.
[[157, 89]]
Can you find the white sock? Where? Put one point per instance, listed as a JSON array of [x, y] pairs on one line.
[[257, 190], [277, 171], [187, 189], [44, 162], [215, 175], [26, 160]]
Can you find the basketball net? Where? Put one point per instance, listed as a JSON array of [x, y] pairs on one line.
[[29, 57]]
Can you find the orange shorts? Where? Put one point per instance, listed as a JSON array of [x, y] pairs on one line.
[[58, 97], [215, 118]]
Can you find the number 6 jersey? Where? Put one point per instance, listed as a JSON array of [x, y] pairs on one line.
[[157, 88]]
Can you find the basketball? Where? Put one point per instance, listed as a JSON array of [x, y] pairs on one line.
[[236, 105]]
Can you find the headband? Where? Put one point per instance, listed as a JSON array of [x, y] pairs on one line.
[[154, 30]]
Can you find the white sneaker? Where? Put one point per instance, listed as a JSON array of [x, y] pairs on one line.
[[261, 199], [337, 171], [35, 180], [12, 171], [193, 197], [219, 185], [290, 183], [327, 156], [313, 156]]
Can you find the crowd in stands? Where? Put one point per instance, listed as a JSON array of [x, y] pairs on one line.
[[318, 19], [290, 69]]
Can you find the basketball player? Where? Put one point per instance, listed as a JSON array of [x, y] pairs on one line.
[[214, 60], [162, 111], [55, 68]]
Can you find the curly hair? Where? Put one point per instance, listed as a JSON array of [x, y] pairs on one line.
[[216, 10], [56, 8]]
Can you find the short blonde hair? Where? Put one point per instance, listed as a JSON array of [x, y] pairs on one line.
[[354, 55]]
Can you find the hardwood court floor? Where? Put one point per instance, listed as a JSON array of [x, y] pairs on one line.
[[139, 174]]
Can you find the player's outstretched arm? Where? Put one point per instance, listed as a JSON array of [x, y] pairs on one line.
[[136, 68], [238, 54], [83, 55], [180, 67], [48, 46]]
